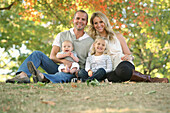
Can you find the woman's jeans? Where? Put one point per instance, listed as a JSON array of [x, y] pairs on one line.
[[40, 59], [99, 75]]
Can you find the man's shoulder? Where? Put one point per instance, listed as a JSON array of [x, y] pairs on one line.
[[64, 32]]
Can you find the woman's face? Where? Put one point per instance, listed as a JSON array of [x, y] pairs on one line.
[[98, 24]]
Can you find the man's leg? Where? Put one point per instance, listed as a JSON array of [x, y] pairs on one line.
[[59, 77], [39, 59]]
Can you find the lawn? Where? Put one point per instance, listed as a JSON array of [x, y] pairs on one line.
[[83, 98]]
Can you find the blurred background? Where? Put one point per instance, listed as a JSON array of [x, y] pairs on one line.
[[29, 25]]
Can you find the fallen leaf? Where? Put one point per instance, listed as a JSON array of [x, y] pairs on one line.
[[86, 98], [73, 85], [129, 82], [49, 102], [129, 93], [150, 92]]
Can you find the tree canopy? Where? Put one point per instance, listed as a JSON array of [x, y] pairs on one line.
[[33, 24]]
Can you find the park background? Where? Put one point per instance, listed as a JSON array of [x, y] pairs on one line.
[[29, 25]]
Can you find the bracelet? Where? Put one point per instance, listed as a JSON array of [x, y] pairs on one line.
[[132, 57]]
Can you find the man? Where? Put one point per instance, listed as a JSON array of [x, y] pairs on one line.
[[81, 42]]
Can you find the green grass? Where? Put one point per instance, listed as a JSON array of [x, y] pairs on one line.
[[83, 98]]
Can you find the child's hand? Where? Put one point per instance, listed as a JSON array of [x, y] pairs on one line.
[[71, 54], [68, 54], [90, 73]]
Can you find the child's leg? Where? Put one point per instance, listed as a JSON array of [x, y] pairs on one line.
[[63, 68], [82, 74], [74, 67], [99, 74], [66, 70], [73, 70]]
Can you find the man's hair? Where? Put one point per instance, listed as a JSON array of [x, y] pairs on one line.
[[82, 12]]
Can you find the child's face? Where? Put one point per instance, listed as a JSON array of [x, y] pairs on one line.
[[67, 47], [100, 46]]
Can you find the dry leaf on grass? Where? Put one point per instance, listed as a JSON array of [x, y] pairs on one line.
[[87, 97], [73, 85], [49, 102], [129, 82]]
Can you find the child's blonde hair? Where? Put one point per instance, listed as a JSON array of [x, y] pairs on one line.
[[93, 51]]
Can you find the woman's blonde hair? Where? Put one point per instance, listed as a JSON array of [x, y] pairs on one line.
[[93, 33], [93, 51]]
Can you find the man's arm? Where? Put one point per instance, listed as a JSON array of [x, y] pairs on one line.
[[54, 51]]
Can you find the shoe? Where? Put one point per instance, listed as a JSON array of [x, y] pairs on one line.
[[32, 69], [160, 80], [18, 79], [139, 77], [74, 80]]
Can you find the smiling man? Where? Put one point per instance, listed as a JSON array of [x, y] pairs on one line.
[[81, 42]]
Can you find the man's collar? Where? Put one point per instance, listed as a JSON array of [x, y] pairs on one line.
[[81, 38]]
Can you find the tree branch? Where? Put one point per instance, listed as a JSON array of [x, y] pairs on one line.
[[7, 8]]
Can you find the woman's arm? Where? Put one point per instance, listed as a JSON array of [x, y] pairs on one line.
[[123, 43], [126, 51]]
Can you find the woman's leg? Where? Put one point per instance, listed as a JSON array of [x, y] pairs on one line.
[[123, 72], [126, 71]]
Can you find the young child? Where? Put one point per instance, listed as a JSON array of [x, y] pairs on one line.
[[98, 63], [68, 53]]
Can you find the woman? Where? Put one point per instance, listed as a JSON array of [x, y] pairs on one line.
[[123, 67]]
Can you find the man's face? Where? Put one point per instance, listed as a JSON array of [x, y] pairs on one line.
[[80, 21]]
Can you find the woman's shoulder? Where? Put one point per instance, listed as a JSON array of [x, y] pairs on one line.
[[119, 36]]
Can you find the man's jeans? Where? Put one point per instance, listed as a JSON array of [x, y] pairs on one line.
[[99, 75], [40, 59]]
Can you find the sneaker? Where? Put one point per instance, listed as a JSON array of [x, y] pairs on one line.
[[18, 79], [34, 71], [74, 80]]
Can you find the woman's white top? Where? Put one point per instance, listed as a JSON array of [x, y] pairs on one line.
[[116, 52], [95, 62]]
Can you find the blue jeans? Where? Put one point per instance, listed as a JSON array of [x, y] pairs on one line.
[[99, 74], [40, 59]]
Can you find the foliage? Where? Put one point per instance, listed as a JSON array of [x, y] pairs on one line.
[[35, 23], [94, 82]]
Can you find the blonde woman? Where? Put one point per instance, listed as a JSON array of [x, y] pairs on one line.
[[122, 59], [98, 63]]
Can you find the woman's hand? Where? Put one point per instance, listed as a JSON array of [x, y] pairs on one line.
[[126, 58]]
